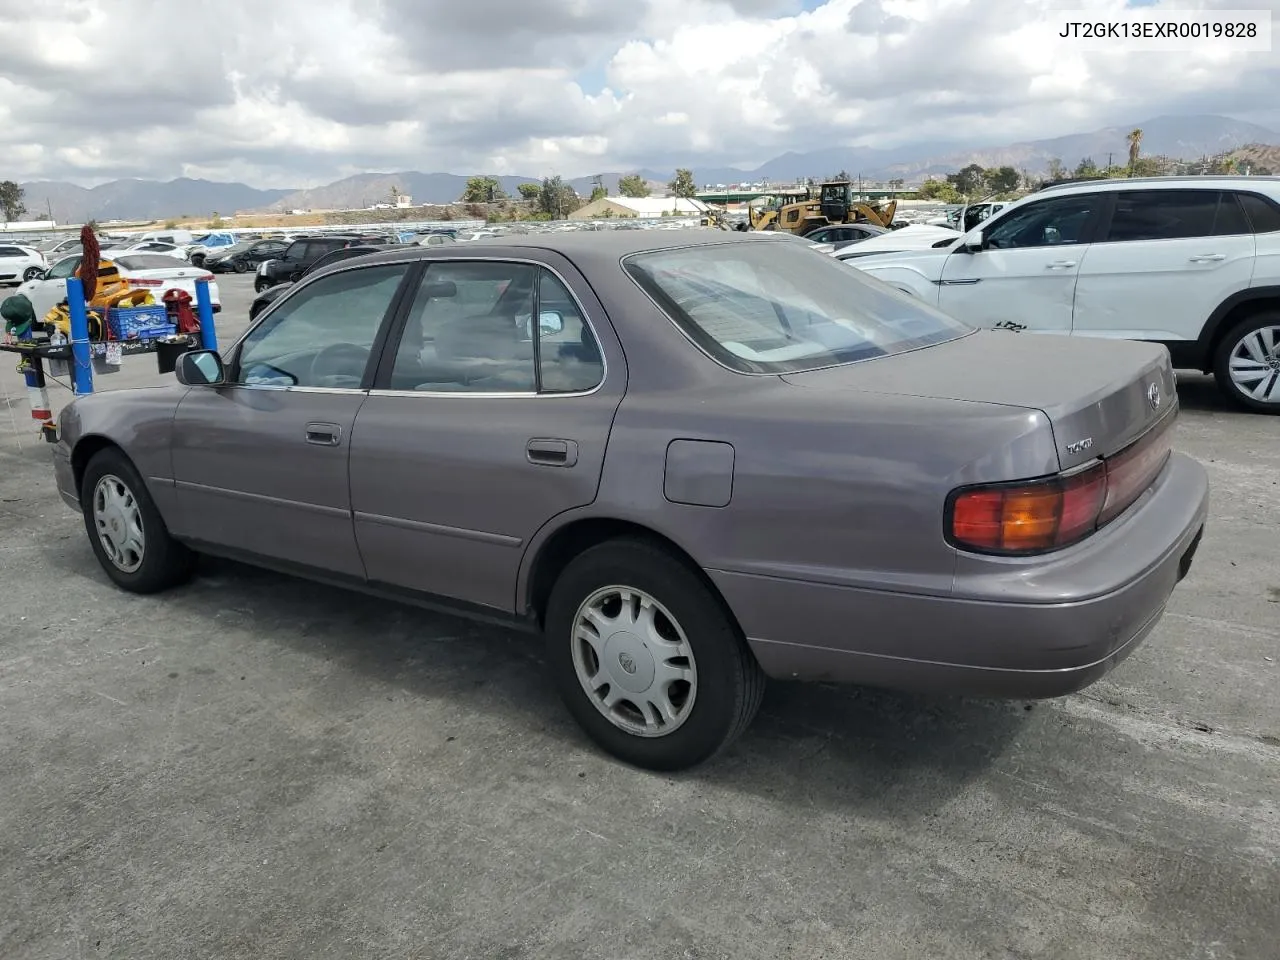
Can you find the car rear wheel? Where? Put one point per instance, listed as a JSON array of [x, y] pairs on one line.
[[1247, 363], [197, 259], [127, 533], [260, 284], [646, 657], [239, 266], [31, 273]]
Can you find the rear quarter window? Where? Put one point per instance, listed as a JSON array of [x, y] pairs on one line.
[[1263, 213]]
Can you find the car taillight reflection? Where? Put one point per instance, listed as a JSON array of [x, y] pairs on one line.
[[1053, 512]]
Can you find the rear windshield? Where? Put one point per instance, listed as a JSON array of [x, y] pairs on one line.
[[761, 307], [147, 261]]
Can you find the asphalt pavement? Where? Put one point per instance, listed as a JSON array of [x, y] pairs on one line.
[[254, 766]]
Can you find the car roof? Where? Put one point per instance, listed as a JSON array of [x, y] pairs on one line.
[[1270, 185], [594, 250]]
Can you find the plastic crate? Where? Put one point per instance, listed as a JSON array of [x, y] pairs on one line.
[[140, 323]]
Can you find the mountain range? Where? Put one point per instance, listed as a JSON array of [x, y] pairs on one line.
[[1183, 138]]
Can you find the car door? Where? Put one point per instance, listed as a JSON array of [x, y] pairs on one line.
[[467, 445], [1025, 272], [1162, 264], [260, 463], [48, 291]]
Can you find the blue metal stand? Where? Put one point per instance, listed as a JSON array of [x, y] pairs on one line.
[[204, 312], [81, 360]]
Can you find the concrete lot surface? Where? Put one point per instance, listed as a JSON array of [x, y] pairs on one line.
[[256, 767]]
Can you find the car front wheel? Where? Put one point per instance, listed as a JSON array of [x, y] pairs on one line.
[[127, 533], [1247, 364], [646, 657]]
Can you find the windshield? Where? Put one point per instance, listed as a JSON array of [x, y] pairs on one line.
[[147, 261], [761, 307]]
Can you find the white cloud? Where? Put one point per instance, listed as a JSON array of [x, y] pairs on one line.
[[293, 91]]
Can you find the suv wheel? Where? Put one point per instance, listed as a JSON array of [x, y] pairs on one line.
[[1247, 362]]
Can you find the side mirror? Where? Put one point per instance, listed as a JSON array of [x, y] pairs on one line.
[[974, 242], [549, 322], [200, 368]]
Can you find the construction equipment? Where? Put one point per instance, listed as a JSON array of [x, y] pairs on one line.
[[834, 204]]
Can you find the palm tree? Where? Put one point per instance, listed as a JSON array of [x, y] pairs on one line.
[[1135, 145]]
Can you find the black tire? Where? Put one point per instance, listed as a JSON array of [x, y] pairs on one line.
[[260, 284], [31, 273], [1227, 346], [729, 683], [164, 562], [239, 266], [197, 259]]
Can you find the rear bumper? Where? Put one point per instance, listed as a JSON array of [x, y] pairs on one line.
[[1025, 630]]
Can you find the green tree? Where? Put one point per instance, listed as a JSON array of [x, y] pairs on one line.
[[557, 199], [1001, 179], [598, 193], [530, 191], [1087, 168], [969, 180], [1056, 170], [633, 185], [682, 185], [843, 175], [11, 200], [938, 190], [1135, 145], [896, 184], [216, 222], [482, 190]]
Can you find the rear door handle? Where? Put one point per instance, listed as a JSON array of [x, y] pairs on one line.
[[1061, 264], [549, 452], [1209, 258], [324, 434]]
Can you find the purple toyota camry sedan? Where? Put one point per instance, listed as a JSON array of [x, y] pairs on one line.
[[690, 460]]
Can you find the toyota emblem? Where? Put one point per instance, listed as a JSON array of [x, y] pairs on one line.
[[1153, 395]]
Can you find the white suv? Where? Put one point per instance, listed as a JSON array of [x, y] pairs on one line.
[[1189, 262]]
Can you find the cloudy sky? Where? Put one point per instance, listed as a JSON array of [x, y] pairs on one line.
[[295, 93]]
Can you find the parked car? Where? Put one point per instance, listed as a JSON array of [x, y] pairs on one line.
[[843, 234], [916, 237], [20, 263], [211, 243], [299, 255], [246, 256], [272, 294], [1191, 263], [149, 246], [710, 459], [150, 271]]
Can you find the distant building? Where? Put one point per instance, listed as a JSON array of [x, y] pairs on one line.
[[635, 207]]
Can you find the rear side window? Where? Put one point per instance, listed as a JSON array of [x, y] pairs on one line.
[[1175, 215], [1264, 214]]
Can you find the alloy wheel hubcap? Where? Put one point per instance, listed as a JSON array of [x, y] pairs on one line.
[[634, 661], [118, 520], [1254, 364]]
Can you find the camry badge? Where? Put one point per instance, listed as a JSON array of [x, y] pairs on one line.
[[1153, 396]]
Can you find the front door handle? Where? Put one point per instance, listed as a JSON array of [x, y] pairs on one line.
[[1061, 264], [324, 434], [1209, 258], [549, 452]]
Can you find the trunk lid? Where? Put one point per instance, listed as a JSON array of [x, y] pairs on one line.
[[1100, 395]]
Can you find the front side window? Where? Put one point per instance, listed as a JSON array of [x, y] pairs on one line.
[[762, 307], [323, 335], [1175, 215], [64, 268], [1045, 223]]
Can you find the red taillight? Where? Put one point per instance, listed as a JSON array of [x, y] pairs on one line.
[[1055, 512], [137, 282]]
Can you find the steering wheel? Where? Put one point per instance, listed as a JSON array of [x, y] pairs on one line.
[[343, 357]]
